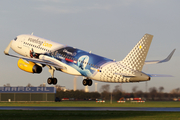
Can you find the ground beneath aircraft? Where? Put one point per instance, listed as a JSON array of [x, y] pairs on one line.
[[95, 108]]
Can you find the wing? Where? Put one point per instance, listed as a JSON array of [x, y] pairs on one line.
[[41, 61], [161, 61]]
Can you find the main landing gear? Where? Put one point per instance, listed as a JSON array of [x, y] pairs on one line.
[[52, 80], [87, 82]]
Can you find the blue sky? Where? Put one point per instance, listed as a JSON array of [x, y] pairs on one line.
[[107, 28]]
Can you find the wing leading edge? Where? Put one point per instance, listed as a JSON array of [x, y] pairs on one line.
[[41, 61]]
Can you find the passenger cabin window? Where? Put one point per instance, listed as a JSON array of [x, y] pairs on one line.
[[15, 38]]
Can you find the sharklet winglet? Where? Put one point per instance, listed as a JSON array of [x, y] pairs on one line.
[[6, 51]]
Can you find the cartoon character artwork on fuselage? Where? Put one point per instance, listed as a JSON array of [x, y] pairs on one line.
[[84, 62]]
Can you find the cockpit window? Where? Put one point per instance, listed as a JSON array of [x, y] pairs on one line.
[[15, 38]]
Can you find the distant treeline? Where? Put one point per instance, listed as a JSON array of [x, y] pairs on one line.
[[152, 94], [78, 95], [104, 93]]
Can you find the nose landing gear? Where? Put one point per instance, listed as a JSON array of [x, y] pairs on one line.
[[87, 82]]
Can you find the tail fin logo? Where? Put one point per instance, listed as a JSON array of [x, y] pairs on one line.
[[140, 47]]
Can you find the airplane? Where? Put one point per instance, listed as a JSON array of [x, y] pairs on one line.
[[37, 53]]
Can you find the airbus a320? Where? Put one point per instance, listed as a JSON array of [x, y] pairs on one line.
[[37, 53]]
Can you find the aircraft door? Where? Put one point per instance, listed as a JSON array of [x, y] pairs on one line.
[[20, 43], [22, 50]]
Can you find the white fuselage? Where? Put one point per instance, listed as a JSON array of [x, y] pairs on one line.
[[110, 71]]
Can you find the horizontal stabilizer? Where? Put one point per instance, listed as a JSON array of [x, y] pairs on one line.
[[159, 75], [161, 61]]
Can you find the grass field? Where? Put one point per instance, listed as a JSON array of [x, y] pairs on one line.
[[93, 104], [87, 115]]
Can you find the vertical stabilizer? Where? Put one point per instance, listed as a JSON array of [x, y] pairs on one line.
[[136, 58]]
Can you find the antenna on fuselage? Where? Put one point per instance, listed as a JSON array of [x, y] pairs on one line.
[[32, 33]]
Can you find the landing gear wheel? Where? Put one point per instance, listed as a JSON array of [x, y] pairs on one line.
[[85, 82], [54, 81], [89, 82], [49, 81]]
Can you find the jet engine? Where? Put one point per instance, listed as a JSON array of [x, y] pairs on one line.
[[29, 66]]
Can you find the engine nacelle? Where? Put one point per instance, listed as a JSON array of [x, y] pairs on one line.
[[29, 66]]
